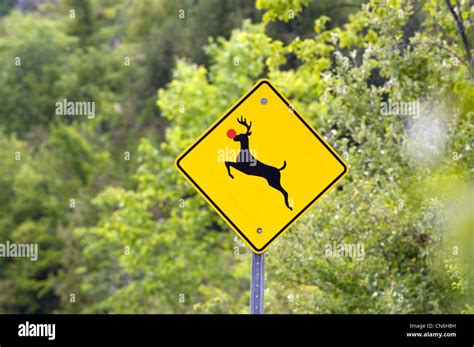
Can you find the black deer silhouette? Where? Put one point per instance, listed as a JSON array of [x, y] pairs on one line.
[[249, 165]]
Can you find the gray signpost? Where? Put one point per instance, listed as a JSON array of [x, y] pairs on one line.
[[263, 104], [257, 283]]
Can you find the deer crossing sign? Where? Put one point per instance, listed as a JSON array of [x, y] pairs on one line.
[[261, 166]]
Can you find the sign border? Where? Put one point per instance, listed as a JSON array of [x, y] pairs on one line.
[[217, 208]]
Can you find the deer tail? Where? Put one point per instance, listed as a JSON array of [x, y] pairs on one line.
[[284, 165]]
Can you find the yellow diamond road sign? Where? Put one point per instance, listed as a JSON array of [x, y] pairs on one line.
[[261, 166]]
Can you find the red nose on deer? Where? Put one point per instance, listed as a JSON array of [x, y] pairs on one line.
[[231, 133], [249, 165]]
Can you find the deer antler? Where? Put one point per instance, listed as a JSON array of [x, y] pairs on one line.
[[243, 121]]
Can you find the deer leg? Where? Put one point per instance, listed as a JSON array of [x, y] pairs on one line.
[[285, 194], [277, 186], [228, 164]]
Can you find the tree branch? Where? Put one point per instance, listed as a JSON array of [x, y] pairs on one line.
[[461, 30]]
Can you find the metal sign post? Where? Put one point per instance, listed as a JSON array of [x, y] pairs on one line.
[[257, 283]]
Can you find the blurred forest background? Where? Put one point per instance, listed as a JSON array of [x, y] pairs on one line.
[[119, 231]]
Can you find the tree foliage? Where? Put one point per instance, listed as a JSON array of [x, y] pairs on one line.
[[141, 240]]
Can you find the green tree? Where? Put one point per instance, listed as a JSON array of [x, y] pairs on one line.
[[81, 19], [41, 204], [387, 203], [120, 231], [33, 51]]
